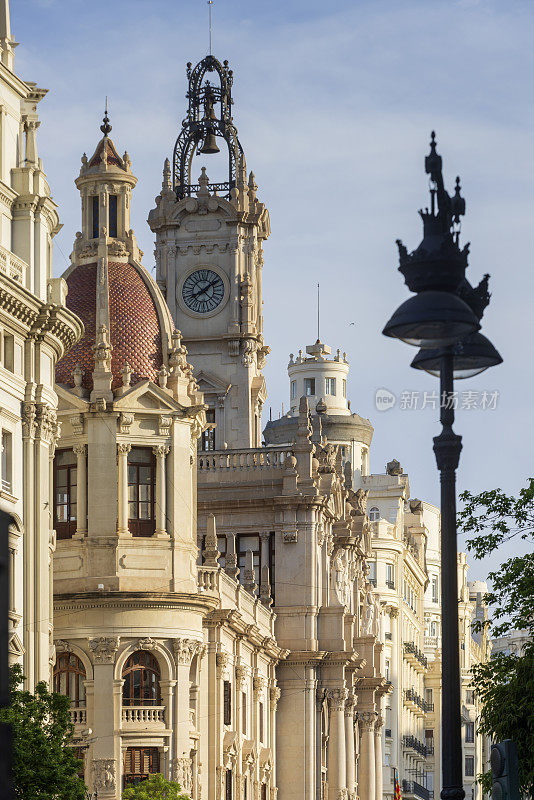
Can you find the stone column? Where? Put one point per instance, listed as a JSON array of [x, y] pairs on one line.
[[106, 719], [184, 651], [81, 489], [349, 748], [366, 783], [160, 451], [378, 758], [336, 743], [123, 450], [396, 653]]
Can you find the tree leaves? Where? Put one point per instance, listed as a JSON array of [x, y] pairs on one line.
[[45, 767], [505, 684], [155, 788]]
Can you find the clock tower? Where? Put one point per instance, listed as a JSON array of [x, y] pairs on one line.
[[209, 259]]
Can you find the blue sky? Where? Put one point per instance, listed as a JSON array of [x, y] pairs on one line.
[[334, 103]]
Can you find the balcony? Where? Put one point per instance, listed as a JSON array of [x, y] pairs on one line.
[[78, 715], [12, 265], [412, 698], [432, 641], [414, 788], [412, 652], [143, 715], [413, 743], [229, 466]]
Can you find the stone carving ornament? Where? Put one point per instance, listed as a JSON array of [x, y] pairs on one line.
[[104, 648], [336, 698], [341, 581], [104, 774]]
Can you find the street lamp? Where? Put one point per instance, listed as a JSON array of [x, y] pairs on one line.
[[443, 319]]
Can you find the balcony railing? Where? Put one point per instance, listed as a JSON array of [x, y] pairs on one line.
[[412, 787], [229, 465], [412, 649], [431, 641], [414, 743], [390, 584], [12, 265], [412, 697], [78, 716], [143, 715]]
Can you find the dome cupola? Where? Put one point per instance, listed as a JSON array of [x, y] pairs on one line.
[[129, 334]]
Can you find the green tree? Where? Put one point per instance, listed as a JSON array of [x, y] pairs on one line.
[[44, 766], [155, 788], [505, 685]]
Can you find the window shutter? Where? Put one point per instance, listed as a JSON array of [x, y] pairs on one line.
[[227, 695]]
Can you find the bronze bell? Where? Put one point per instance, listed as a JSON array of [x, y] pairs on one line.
[[210, 144]]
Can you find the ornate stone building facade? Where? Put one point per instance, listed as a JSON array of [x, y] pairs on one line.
[[36, 329], [404, 571], [248, 620]]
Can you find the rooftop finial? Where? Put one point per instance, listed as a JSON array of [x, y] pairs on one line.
[[106, 127], [210, 3]]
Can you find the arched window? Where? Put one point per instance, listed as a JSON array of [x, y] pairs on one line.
[[69, 677], [374, 514], [141, 675]]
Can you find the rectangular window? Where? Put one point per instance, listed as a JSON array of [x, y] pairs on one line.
[[387, 669], [433, 628], [470, 697], [309, 386], [470, 732], [7, 462], [244, 712], [260, 713], [372, 572], [139, 764], [293, 389], [390, 576], [8, 352], [228, 785], [469, 766], [65, 494], [344, 387], [113, 215], [264, 791], [429, 696], [330, 386], [207, 440], [227, 703], [96, 216], [435, 597], [141, 486]]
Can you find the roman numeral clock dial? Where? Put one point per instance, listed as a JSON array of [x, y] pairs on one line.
[[203, 291]]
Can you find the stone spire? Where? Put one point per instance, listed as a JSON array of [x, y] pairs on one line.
[[7, 44], [5, 26]]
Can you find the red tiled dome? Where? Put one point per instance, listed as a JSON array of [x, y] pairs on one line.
[[135, 331]]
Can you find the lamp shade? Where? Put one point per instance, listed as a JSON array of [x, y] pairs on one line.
[[471, 356], [431, 320]]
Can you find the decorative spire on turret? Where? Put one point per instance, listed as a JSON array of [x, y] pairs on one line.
[[106, 127]]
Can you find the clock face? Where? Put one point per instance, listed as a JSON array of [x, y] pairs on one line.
[[203, 291]]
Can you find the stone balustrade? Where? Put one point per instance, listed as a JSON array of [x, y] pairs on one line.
[[230, 465], [143, 715], [13, 266], [78, 716]]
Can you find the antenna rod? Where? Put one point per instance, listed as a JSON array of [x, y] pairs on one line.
[[318, 310], [210, 3]]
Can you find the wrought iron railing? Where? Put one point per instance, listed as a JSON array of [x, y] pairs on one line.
[[411, 647]]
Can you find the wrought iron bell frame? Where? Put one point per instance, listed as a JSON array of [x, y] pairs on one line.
[[203, 95]]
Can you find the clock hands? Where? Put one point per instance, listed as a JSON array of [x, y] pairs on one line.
[[197, 294]]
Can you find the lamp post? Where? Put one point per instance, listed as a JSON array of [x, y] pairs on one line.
[[443, 318]]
